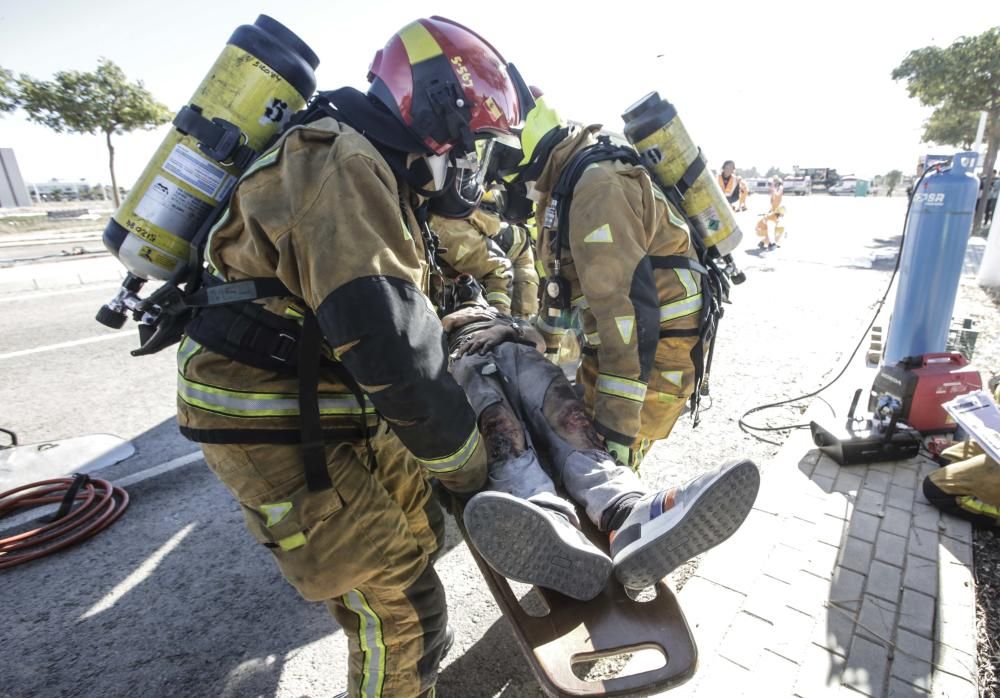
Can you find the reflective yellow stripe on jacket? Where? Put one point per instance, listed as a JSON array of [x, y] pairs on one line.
[[621, 387], [455, 461], [237, 403]]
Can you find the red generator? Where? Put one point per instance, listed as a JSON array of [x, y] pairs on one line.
[[922, 384]]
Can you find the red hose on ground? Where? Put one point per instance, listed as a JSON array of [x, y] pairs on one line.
[[98, 504]]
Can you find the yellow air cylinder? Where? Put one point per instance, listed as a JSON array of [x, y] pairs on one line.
[[654, 129], [264, 74]]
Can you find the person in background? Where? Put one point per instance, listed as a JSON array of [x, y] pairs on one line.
[[775, 215], [733, 186]]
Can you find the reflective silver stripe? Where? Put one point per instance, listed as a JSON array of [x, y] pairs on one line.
[[371, 642], [497, 297], [455, 461], [681, 308], [621, 387], [187, 349], [593, 339], [262, 161], [686, 277], [580, 302], [240, 404]]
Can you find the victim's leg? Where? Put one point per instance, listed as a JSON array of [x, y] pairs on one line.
[[521, 527]]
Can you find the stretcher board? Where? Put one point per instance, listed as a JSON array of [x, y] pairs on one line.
[[580, 631]]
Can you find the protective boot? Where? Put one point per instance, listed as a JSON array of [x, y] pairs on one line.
[[665, 529], [535, 545]]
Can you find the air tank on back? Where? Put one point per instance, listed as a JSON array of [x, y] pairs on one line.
[[263, 75]]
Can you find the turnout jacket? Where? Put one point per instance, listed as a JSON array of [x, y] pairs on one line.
[[323, 212], [619, 224], [516, 243], [466, 247]]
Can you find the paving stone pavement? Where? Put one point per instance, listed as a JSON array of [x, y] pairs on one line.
[[842, 582]]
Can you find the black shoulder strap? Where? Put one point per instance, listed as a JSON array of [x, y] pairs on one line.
[[562, 195]]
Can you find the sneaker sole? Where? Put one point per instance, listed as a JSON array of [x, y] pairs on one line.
[[522, 544], [713, 518]]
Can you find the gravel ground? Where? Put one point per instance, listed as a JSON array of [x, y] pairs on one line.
[[789, 330], [983, 308]]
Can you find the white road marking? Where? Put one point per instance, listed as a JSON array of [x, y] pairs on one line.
[[83, 288], [66, 345], [32, 514], [158, 469]]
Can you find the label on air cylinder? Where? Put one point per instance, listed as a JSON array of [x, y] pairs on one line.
[[199, 172], [169, 206]]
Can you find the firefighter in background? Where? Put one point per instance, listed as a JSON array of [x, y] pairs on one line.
[[466, 246], [969, 485], [332, 212], [514, 239], [635, 383], [775, 215], [733, 186]]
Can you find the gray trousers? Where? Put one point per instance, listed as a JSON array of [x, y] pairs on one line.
[[529, 414]]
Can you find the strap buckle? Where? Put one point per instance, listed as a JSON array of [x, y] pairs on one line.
[[284, 347]]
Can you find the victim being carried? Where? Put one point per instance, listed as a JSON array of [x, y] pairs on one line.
[[541, 443]]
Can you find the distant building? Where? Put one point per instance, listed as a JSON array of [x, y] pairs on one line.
[[12, 190], [69, 190]]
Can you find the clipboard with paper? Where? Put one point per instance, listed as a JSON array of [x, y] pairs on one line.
[[979, 415]]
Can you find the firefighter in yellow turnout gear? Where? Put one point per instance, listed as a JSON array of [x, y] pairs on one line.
[[333, 215], [969, 485], [515, 242], [467, 248], [776, 214], [635, 381]]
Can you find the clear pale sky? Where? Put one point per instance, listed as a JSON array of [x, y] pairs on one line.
[[782, 83]]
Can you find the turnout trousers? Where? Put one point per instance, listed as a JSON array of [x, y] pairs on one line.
[[363, 547]]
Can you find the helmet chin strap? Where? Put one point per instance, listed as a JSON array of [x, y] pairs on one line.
[[438, 170]]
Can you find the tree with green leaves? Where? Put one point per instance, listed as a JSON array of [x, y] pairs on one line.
[[951, 126], [8, 91], [100, 102], [964, 77], [891, 179]]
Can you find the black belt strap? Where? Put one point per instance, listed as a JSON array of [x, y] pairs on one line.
[[219, 139], [693, 332], [214, 293], [290, 437], [313, 448], [676, 261], [692, 173]]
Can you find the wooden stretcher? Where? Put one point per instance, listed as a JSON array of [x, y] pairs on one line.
[[574, 632]]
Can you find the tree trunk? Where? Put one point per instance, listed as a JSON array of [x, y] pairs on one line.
[[989, 163], [111, 166]]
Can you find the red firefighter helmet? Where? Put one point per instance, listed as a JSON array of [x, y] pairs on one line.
[[447, 84]]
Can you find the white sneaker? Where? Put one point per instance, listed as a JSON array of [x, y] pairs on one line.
[[667, 528], [531, 544]]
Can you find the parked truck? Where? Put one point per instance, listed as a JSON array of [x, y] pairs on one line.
[[821, 177]]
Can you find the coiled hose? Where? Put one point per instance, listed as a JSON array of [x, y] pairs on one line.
[[98, 504]]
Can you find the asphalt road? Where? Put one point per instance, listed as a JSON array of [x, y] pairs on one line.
[[176, 598]]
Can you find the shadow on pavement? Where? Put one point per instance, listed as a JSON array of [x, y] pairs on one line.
[[862, 608], [493, 666], [174, 599]]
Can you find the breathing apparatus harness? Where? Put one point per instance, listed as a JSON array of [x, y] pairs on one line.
[[714, 283], [223, 317]]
